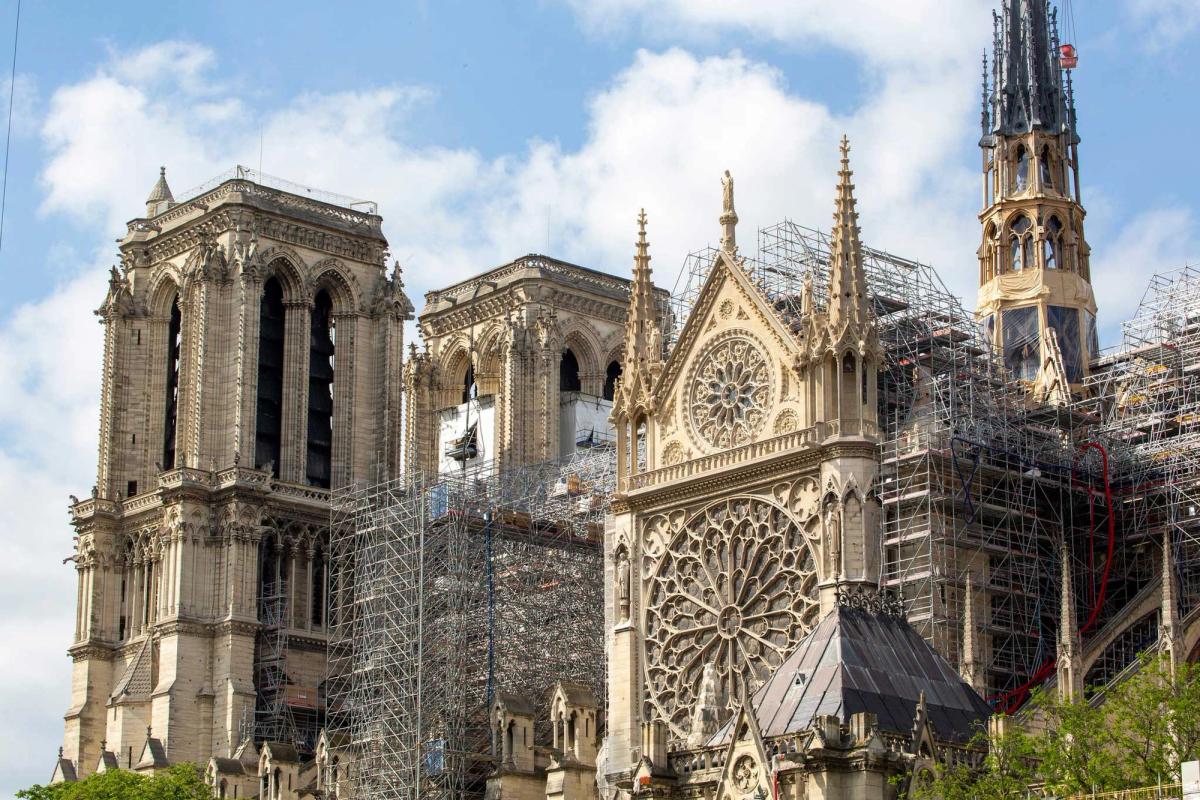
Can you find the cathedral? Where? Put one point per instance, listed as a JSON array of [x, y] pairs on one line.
[[803, 530]]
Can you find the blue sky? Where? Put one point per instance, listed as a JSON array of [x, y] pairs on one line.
[[489, 130]]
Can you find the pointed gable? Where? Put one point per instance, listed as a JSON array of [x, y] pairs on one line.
[[745, 772], [729, 308]]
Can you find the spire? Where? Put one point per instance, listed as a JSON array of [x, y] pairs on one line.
[[160, 198], [1027, 90], [641, 330], [969, 668], [847, 280], [1171, 624], [729, 217], [984, 116], [1069, 685]]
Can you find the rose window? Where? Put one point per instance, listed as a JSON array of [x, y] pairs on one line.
[[736, 588], [729, 393]]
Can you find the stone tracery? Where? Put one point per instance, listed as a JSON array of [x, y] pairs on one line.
[[729, 393], [737, 589]]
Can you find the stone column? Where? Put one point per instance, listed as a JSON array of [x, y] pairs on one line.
[[342, 456], [246, 405], [294, 438]]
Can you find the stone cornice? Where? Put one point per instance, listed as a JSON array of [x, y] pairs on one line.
[[92, 649], [244, 192], [203, 486], [235, 627], [537, 267], [438, 319], [777, 456], [269, 226]]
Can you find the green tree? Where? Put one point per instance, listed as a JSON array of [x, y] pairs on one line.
[[1137, 734], [1007, 770], [1155, 719], [181, 782]]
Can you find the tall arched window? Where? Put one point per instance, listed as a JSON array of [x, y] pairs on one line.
[[470, 390], [269, 413], [610, 379], [568, 373], [320, 393], [174, 342], [1052, 245], [1022, 173], [1044, 165], [989, 252], [1021, 245]]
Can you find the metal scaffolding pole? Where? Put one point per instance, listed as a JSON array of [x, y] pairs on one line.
[[448, 588]]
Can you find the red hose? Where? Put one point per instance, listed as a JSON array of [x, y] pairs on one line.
[[1013, 698]]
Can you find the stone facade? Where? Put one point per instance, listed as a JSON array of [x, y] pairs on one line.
[[743, 561], [517, 361], [252, 359]]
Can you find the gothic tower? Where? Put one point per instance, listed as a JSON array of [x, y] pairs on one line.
[[1035, 300], [520, 365], [252, 356]]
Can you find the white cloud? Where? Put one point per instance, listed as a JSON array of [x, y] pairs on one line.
[[1156, 240], [659, 135], [924, 34], [50, 351], [1164, 23]]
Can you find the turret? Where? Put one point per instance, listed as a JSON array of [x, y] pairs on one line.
[[842, 345], [160, 198], [633, 398], [841, 363]]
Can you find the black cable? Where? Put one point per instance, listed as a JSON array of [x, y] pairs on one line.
[[12, 87]]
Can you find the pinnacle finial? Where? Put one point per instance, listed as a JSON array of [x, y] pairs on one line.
[[642, 224], [160, 194], [729, 217], [847, 280]]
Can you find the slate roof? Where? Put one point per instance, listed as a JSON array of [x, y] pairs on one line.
[[64, 771], [108, 761], [577, 694], [515, 703], [154, 755], [138, 680], [229, 766], [857, 660], [282, 752]]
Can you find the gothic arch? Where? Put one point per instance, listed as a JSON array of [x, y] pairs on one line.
[[288, 269], [163, 291], [585, 348], [453, 374], [332, 276], [580, 335]]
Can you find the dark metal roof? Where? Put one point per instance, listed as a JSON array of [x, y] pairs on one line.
[[857, 660]]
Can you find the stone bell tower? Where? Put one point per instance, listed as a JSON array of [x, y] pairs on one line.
[[1035, 300], [252, 361]]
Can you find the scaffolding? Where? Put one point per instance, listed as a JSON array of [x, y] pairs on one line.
[[1147, 395], [446, 589], [974, 477], [273, 718]]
